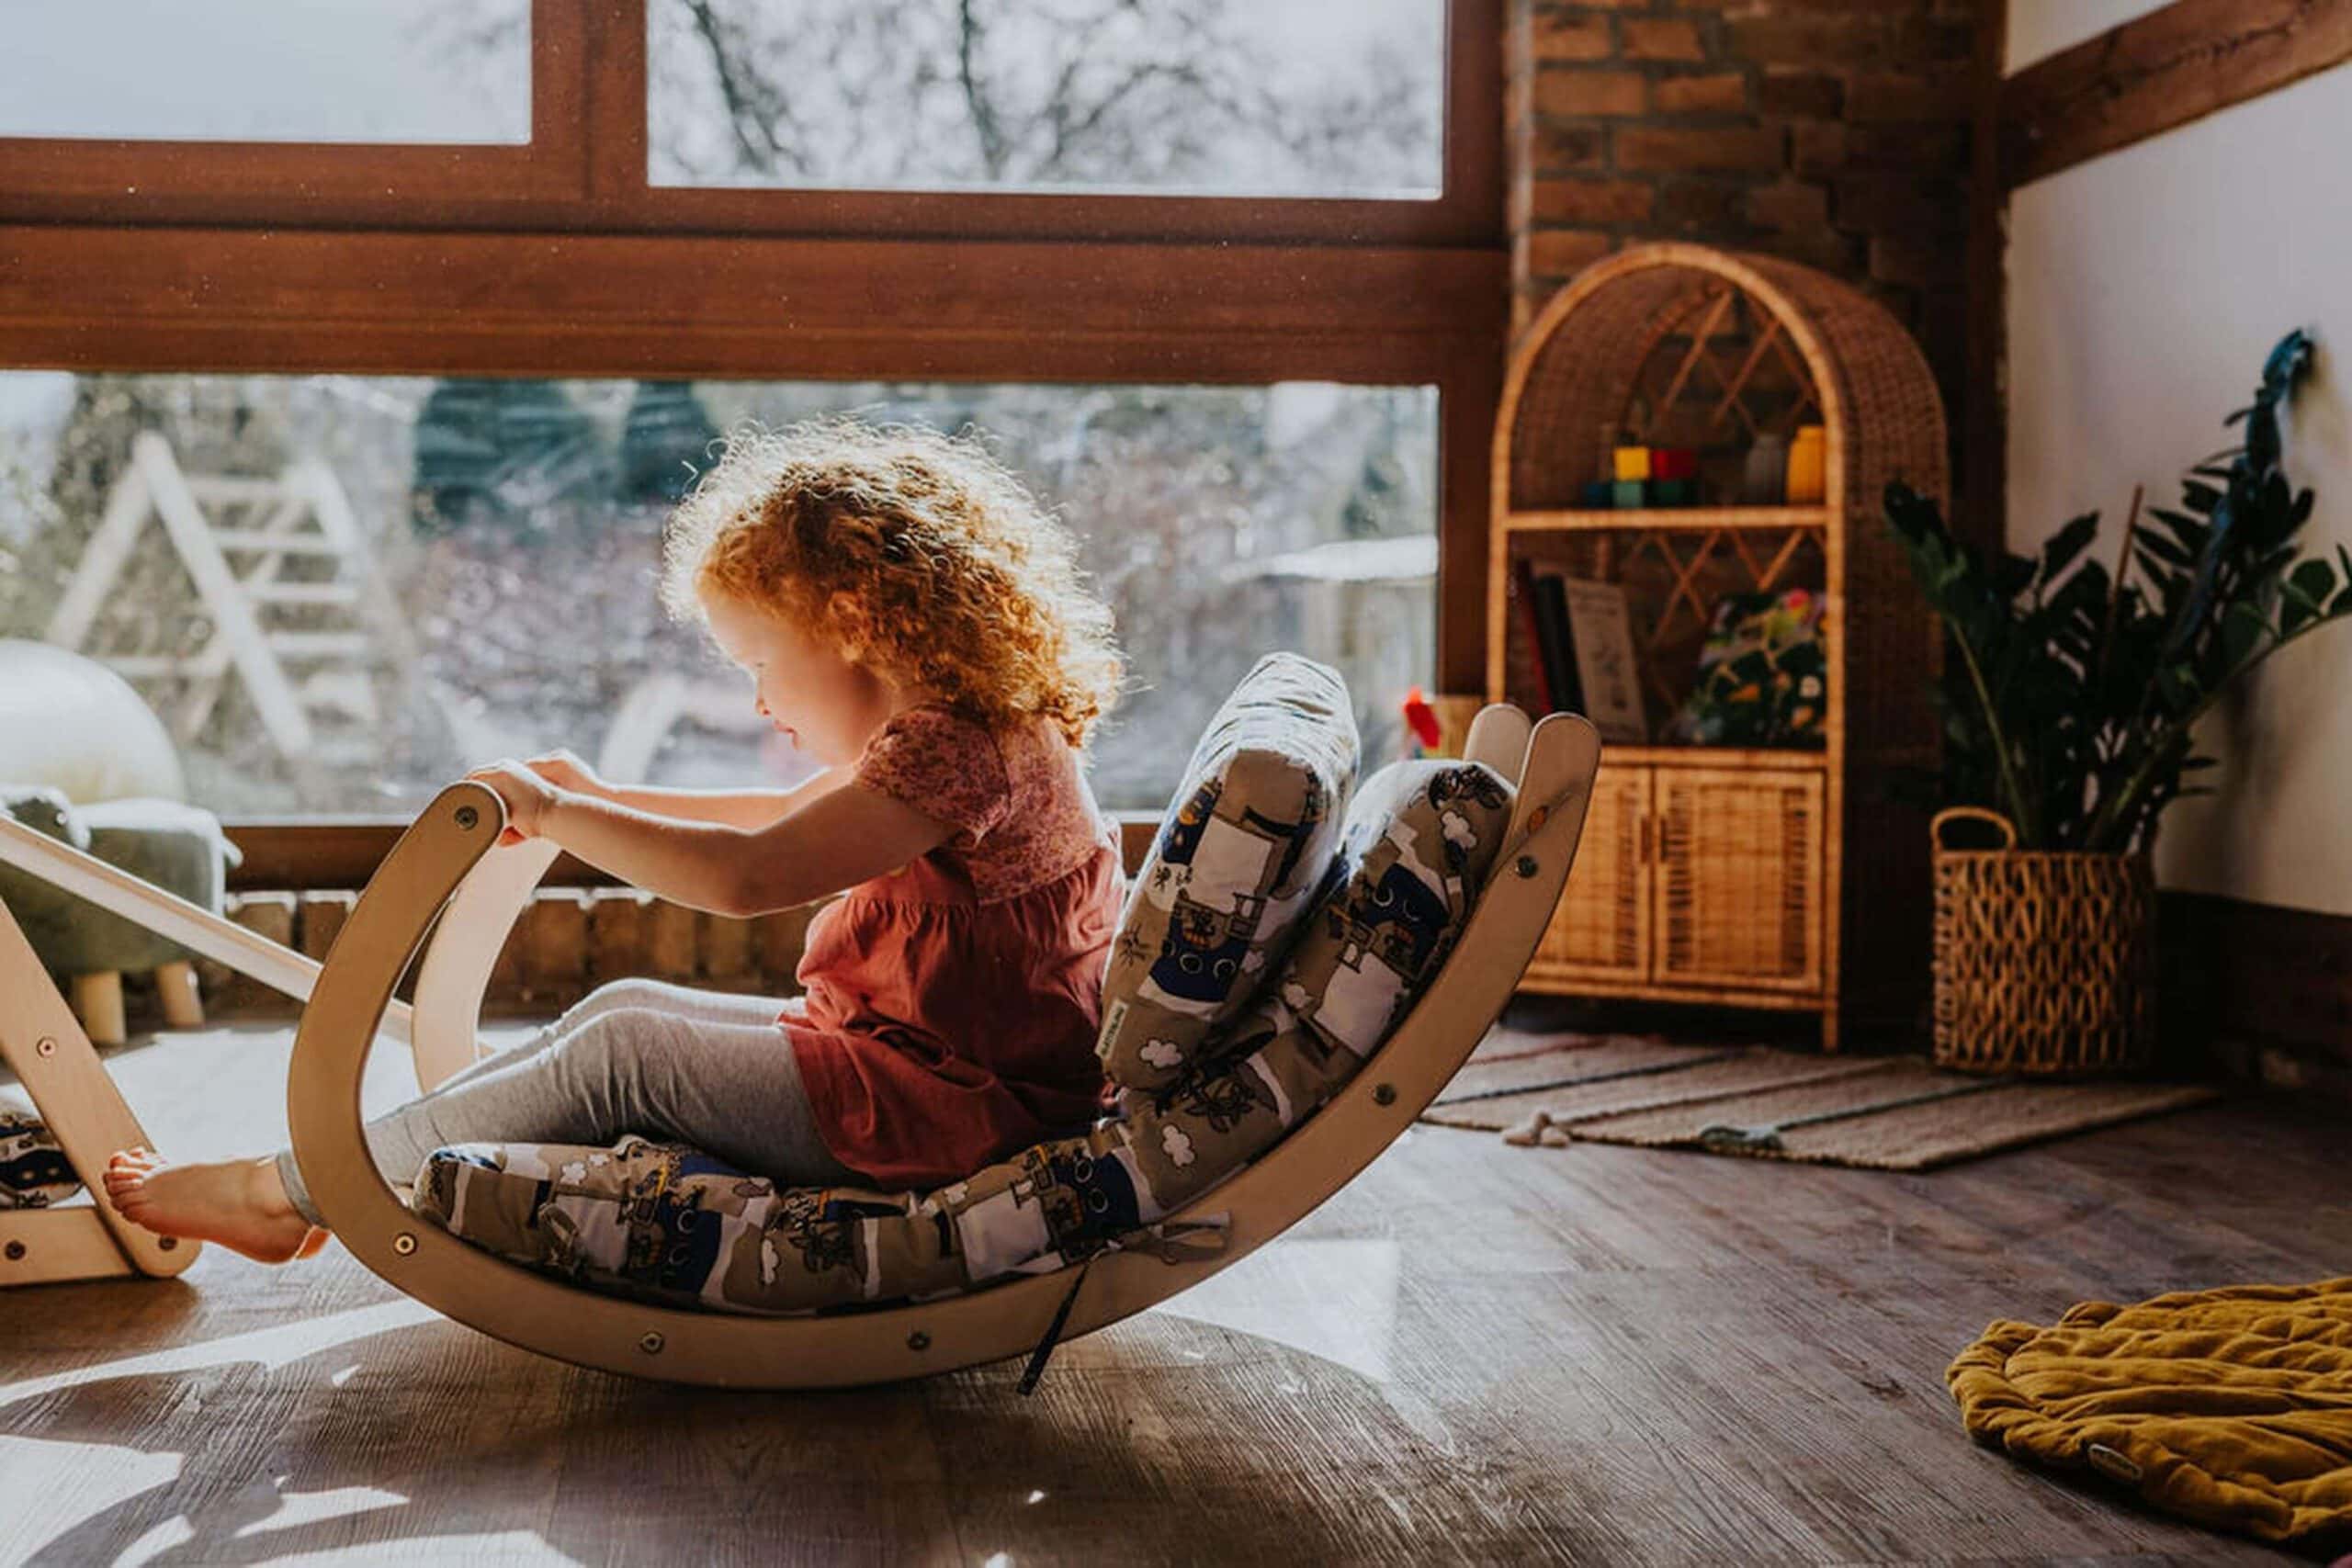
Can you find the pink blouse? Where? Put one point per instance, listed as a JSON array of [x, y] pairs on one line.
[[951, 1005]]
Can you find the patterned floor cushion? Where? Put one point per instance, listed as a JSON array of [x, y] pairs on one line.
[[33, 1170], [1248, 845], [668, 1223]]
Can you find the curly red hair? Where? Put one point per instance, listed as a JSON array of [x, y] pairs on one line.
[[918, 552]]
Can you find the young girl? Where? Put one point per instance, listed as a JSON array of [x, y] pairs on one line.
[[911, 617]]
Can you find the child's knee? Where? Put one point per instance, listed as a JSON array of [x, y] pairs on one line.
[[630, 991], [604, 1059]]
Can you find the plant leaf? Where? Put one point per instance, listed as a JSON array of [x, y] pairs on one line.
[[2243, 630]]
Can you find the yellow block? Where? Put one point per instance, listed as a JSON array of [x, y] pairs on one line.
[[2229, 1406], [1633, 462], [1808, 465]]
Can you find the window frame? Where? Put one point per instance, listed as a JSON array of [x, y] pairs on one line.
[[584, 168], [556, 258]]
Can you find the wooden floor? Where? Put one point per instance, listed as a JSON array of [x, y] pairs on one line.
[[1475, 1353]]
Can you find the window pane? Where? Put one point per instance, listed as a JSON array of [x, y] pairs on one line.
[[499, 599], [265, 71], [1222, 97]]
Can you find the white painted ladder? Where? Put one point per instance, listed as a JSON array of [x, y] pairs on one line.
[[266, 524]]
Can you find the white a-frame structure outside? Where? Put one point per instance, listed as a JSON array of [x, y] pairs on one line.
[[297, 547]]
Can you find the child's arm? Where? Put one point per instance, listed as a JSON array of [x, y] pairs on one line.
[[730, 807], [843, 837]]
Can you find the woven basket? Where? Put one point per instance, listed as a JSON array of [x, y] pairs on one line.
[[2045, 961]]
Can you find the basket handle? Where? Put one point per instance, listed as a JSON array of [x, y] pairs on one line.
[[1975, 813]]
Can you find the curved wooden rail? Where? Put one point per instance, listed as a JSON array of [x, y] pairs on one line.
[[1553, 763]]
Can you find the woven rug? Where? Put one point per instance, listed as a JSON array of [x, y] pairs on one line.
[[1878, 1112]]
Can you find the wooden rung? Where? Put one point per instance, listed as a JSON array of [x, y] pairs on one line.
[[303, 592], [319, 645], [234, 488], [281, 543], [1679, 517]]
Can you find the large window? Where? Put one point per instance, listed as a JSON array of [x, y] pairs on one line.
[[384, 71], [499, 596], [1270, 98], [1226, 277]]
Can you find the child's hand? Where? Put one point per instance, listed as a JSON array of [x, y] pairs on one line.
[[528, 796], [565, 769]]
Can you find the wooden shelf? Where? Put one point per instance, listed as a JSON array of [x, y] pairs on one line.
[[1695, 517], [1793, 757], [1721, 872]]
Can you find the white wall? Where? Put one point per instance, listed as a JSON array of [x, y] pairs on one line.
[[2144, 287], [2042, 27]]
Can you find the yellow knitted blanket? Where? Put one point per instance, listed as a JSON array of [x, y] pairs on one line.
[[2232, 1406]]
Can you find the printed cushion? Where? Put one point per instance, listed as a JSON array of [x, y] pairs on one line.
[[662, 1222], [33, 1169], [1762, 674], [1246, 846]]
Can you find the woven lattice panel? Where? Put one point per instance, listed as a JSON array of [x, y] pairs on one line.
[[1602, 926], [1739, 863]]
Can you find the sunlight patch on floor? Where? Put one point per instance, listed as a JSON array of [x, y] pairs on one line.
[[1336, 1300], [272, 1347], [85, 1479]]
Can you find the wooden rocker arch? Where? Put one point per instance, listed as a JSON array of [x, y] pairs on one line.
[[445, 878]]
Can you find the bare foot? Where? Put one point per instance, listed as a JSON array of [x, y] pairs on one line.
[[240, 1203]]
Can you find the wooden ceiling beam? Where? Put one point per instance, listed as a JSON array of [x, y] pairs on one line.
[[2161, 71]]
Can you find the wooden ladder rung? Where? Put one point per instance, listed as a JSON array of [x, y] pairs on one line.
[[251, 543], [303, 592], [317, 645]]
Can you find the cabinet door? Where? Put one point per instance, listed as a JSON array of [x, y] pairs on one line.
[[1600, 931], [1739, 878]]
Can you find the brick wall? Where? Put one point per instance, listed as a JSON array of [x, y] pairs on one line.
[[1834, 132]]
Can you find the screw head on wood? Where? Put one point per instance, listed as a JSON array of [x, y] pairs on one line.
[[47, 1047], [404, 1243], [169, 1244], [1526, 866], [651, 1344], [468, 816], [1383, 1094], [16, 1252], [918, 1340]]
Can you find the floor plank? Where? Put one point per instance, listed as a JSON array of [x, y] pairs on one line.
[[1474, 1353]]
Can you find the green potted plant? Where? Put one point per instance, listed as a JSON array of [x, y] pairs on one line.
[[2069, 727]]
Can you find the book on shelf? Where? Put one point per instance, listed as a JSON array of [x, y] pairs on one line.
[[1595, 639], [1556, 642], [1522, 594]]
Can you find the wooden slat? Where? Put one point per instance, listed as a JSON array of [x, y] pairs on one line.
[[2160, 71], [343, 593], [245, 542], [317, 645], [1703, 517], [451, 303]]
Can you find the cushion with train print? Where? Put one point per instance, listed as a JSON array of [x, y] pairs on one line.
[[1247, 844]]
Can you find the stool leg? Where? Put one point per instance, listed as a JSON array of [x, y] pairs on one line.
[[97, 1002], [183, 1003]]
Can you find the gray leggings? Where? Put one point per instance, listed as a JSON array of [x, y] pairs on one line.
[[710, 1068]]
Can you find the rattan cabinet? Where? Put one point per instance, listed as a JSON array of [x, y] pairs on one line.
[[1794, 879]]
